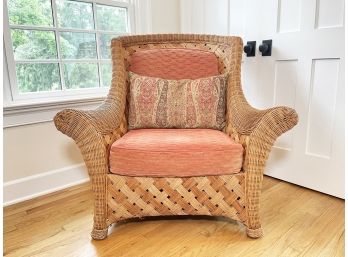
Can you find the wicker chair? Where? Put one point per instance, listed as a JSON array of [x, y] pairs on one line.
[[118, 197]]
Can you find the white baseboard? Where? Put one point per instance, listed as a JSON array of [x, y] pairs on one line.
[[23, 189]]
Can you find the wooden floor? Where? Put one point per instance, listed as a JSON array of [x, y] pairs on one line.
[[297, 222]]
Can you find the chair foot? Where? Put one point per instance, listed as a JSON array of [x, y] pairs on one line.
[[254, 233], [99, 234]]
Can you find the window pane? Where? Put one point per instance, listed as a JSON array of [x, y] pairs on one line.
[[33, 44], [104, 45], [81, 75], [30, 12], [75, 45], [106, 74], [73, 14], [38, 77], [112, 18]]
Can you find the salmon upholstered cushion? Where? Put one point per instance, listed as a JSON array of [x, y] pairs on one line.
[[162, 103], [175, 153], [174, 63]]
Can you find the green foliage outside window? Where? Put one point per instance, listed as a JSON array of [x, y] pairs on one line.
[[36, 77], [36, 44]]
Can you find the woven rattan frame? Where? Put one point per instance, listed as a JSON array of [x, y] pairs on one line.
[[130, 197], [94, 131]]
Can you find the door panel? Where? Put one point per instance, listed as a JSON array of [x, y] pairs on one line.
[[329, 13], [321, 107], [289, 15]]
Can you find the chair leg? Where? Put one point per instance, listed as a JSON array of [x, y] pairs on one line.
[[254, 232], [99, 234], [100, 226], [253, 224], [253, 184]]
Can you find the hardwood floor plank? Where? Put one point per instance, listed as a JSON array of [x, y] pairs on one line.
[[297, 222]]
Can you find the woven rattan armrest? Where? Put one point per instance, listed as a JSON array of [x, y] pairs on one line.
[[102, 120], [246, 120], [272, 122], [94, 131]]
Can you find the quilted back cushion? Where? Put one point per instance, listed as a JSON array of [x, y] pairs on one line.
[[174, 63]]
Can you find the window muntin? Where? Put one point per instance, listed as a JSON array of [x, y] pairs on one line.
[[65, 48]]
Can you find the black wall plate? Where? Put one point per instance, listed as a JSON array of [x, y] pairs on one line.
[[266, 47], [249, 48]]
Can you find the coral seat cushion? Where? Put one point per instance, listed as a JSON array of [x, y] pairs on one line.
[[175, 153], [175, 63]]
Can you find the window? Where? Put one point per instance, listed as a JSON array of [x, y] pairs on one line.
[[59, 48]]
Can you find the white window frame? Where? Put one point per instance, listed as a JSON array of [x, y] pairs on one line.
[[63, 94]]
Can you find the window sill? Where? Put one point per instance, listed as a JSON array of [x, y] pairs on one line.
[[25, 113]]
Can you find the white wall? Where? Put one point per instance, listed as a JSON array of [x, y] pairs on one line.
[[37, 148], [222, 17], [165, 16]]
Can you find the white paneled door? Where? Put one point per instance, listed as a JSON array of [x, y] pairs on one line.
[[306, 72]]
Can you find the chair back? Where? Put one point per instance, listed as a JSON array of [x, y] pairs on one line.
[[175, 56]]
